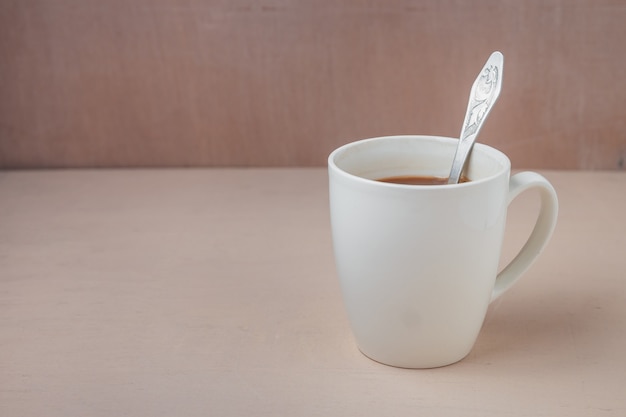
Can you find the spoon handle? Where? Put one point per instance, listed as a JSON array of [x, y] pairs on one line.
[[483, 95]]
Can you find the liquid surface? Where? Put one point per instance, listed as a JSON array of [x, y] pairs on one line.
[[419, 180]]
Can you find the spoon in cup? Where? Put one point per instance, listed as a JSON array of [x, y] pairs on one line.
[[484, 93]]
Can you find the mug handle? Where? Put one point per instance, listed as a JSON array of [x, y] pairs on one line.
[[546, 221]]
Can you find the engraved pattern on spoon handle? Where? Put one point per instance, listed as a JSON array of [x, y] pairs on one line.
[[482, 97], [484, 93]]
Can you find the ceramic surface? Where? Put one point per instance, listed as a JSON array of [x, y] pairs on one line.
[[418, 265]]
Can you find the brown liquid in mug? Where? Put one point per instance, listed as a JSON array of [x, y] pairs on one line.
[[419, 180]]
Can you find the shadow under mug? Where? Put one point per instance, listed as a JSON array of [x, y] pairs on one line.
[[418, 265]]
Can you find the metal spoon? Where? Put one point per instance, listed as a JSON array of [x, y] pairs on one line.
[[483, 95]]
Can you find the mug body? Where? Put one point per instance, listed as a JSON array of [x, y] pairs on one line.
[[417, 264]]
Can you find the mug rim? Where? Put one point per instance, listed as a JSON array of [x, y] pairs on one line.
[[489, 150]]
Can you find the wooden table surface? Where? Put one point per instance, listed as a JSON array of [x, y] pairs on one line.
[[213, 293]]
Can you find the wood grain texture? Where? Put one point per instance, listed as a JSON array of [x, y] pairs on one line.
[[213, 292], [87, 83]]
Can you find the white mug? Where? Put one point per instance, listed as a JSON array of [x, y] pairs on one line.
[[418, 264]]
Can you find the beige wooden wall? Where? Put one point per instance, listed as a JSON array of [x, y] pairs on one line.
[[283, 82]]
